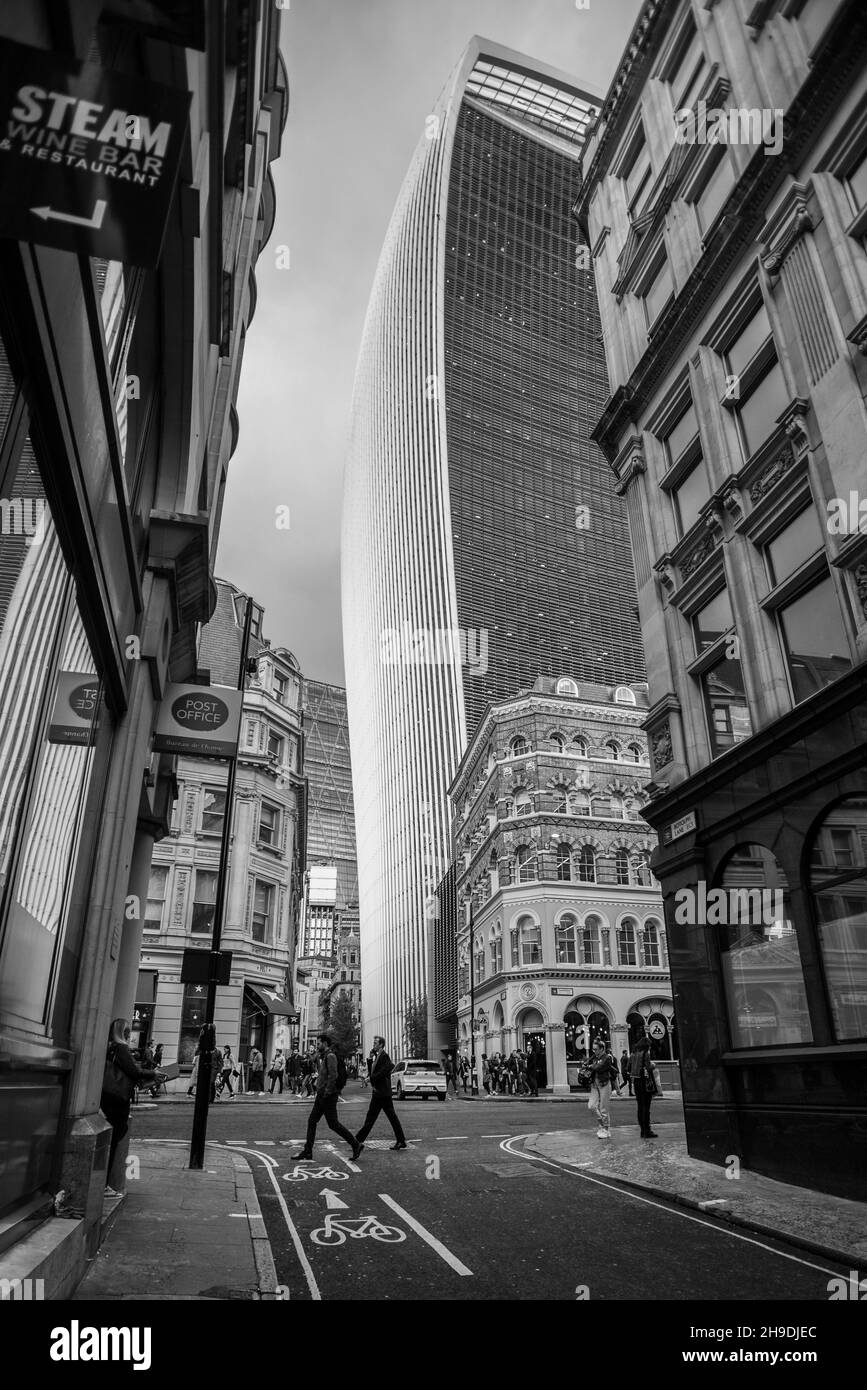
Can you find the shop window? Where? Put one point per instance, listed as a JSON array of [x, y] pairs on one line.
[[761, 960], [192, 1020], [838, 885], [599, 1027], [575, 1036], [141, 1023]]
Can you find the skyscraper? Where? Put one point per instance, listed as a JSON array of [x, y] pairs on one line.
[[482, 545], [330, 823]]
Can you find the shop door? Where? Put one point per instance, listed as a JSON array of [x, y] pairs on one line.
[[538, 1040]]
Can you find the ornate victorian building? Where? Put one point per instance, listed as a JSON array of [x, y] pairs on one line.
[[732, 278], [567, 940]]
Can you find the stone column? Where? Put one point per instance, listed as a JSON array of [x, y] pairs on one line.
[[557, 1076]]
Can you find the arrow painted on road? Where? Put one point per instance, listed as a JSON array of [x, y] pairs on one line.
[[95, 221], [332, 1201]]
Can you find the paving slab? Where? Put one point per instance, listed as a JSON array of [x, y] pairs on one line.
[[183, 1233], [832, 1226]]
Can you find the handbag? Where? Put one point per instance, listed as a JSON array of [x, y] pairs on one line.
[[115, 1082]]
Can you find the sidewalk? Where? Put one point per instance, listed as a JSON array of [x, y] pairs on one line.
[[829, 1226], [183, 1234]]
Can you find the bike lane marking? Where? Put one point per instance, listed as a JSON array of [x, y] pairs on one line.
[[270, 1165], [431, 1240], [648, 1201]]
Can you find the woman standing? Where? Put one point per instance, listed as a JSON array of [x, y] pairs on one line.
[[227, 1071], [122, 1075], [602, 1070], [642, 1071]]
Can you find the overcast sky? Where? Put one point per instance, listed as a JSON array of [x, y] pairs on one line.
[[363, 75]]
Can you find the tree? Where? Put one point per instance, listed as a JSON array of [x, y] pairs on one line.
[[415, 1027], [342, 1026]]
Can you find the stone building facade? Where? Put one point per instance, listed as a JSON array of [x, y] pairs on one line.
[[265, 868], [724, 200], [567, 933]]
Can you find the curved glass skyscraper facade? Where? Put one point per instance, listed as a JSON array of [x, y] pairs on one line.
[[465, 575]]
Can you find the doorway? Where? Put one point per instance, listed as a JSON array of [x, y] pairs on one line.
[[536, 1041]]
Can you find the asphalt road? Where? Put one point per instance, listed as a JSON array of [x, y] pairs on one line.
[[464, 1213]]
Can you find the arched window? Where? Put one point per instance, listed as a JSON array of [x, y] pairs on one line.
[[525, 863], [624, 696], [574, 1030], [641, 871], [514, 945], [635, 1025], [564, 863], [531, 941], [523, 804], [621, 866], [585, 865], [519, 746], [651, 944], [579, 746], [599, 1027], [626, 944], [579, 804], [758, 942], [601, 807], [591, 941], [496, 944], [567, 687], [635, 753], [556, 743], [561, 801], [564, 938], [479, 953], [838, 886], [611, 750]]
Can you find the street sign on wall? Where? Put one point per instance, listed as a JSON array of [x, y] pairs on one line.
[[199, 720], [88, 156]]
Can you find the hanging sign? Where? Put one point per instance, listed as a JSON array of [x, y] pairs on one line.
[[200, 720], [74, 717], [88, 156]]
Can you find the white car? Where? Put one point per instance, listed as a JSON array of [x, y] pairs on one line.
[[414, 1077]]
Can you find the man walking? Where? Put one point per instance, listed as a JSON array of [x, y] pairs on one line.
[[624, 1069], [380, 1084], [328, 1088]]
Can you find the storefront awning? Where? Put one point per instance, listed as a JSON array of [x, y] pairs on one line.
[[271, 1003]]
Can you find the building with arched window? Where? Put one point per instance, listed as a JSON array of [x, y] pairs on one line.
[[732, 285], [568, 936]]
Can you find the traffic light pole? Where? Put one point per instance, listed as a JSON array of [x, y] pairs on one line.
[[207, 1037]]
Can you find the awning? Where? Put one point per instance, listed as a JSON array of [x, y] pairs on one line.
[[272, 1003]]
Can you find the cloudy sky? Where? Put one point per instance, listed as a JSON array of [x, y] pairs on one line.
[[363, 75]]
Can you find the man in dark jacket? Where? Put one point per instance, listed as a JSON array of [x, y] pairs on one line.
[[380, 1083], [327, 1096]]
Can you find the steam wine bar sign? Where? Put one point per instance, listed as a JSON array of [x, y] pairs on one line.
[[76, 703], [196, 719], [88, 156]]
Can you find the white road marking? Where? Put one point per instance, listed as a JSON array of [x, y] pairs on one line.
[[495, 1136], [343, 1159], [452, 1136], [263, 1142], [436, 1245], [332, 1201], [270, 1164], [672, 1211]]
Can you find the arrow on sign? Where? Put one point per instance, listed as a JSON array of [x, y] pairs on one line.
[[332, 1201], [95, 221]]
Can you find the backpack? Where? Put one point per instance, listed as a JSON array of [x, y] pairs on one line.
[[341, 1072]]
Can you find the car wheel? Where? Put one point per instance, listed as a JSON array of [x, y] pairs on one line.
[[439, 1097]]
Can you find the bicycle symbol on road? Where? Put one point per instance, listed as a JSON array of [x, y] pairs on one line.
[[335, 1230], [301, 1174]]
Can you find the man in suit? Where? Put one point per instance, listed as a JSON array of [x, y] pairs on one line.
[[381, 1068]]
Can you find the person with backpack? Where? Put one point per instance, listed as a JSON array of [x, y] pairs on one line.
[[380, 1084], [602, 1071], [331, 1080]]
